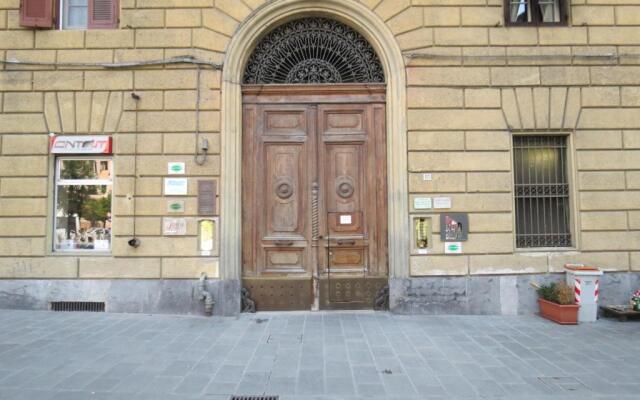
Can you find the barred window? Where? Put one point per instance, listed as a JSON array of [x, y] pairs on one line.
[[541, 191]]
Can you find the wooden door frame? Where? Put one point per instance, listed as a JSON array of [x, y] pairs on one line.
[[375, 30]]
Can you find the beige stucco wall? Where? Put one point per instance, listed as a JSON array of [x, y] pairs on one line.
[[472, 83]]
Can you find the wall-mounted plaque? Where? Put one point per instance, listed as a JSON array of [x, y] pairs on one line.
[[174, 226], [453, 248], [442, 202], [176, 168], [175, 206], [422, 203], [175, 186], [207, 197], [454, 227], [345, 219]]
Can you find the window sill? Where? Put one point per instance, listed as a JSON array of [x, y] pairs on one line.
[[537, 25], [81, 253], [521, 250]]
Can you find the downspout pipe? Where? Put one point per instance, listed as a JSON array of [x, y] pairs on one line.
[[205, 295]]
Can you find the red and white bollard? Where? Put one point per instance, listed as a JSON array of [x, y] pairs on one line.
[[586, 284]]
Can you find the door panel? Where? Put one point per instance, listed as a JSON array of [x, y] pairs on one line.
[[285, 204], [276, 195], [314, 203]]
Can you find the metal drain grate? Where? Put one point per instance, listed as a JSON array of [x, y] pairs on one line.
[[90, 306], [260, 397]]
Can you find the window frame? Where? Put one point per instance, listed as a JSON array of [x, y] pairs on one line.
[[57, 182], [536, 21], [570, 174], [59, 16], [62, 8]]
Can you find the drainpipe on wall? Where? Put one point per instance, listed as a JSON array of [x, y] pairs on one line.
[[205, 295]]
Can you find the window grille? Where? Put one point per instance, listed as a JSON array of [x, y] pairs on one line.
[[313, 50], [541, 191]]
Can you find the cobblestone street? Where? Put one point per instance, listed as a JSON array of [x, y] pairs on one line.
[[338, 355]]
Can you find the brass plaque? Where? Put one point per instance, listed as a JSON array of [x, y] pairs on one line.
[[207, 197], [280, 294]]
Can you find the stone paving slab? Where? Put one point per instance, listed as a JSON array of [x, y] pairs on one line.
[[314, 356]]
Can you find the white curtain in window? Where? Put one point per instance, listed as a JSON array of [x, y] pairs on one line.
[[75, 13], [550, 10], [519, 11]]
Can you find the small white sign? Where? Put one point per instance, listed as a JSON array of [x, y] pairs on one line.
[[453, 248], [426, 177], [175, 186], [175, 168], [423, 251], [422, 203], [174, 226], [345, 219], [442, 202]]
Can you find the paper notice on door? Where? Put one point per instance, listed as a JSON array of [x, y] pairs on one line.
[[345, 219]]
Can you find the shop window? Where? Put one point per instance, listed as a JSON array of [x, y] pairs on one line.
[[541, 191], [69, 14], [83, 196], [535, 12]]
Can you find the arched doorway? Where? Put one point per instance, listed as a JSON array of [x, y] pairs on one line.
[[374, 30], [314, 156]]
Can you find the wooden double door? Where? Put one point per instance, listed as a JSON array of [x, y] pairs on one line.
[[314, 196]]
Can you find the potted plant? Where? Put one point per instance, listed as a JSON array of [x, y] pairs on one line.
[[556, 301], [635, 300]]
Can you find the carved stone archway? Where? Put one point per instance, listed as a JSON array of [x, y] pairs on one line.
[[374, 30]]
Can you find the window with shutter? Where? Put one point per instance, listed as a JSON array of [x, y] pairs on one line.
[[36, 13], [103, 14]]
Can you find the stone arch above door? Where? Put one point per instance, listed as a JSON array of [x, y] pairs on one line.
[[374, 30]]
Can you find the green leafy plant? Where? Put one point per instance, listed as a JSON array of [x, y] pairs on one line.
[[547, 292], [559, 293]]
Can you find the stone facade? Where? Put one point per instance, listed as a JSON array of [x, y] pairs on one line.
[[471, 83]]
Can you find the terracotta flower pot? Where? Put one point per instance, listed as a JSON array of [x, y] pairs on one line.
[[562, 314]]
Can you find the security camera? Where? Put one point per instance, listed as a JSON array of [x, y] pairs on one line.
[[135, 243], [205, 145]]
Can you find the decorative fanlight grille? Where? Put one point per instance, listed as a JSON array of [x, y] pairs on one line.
[[313, 50]]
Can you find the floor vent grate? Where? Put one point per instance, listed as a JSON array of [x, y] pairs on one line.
[[90, 306], [260, 397]]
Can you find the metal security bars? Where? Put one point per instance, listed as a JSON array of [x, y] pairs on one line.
[[541, 191]]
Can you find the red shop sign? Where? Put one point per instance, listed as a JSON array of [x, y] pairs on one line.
[[81, 144]]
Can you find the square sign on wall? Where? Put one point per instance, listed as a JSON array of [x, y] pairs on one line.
[[175, 186], [175, 168], [454, 227]]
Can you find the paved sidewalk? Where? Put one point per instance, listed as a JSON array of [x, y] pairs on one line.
[[338, 355]]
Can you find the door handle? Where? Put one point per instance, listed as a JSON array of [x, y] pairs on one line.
[[284, 243], [346, 242]]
